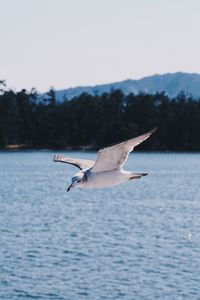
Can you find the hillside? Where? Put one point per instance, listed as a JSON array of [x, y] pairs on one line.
[[171, 83]]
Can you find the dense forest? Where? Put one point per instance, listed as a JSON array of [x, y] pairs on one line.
[[34, 121]]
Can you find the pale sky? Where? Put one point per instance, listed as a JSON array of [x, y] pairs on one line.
[[65, 43]]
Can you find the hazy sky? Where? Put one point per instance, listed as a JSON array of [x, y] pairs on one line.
[[64, 43]]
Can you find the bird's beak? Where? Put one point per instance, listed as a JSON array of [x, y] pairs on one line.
[[68, 189]]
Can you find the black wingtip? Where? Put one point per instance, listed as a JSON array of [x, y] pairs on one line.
[[56, 157]]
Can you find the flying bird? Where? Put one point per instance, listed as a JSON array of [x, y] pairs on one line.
[[107, 170]]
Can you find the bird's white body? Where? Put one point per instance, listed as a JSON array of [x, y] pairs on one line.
[[106, 178], [107, 170]]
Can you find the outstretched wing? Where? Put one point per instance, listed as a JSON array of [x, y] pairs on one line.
[[80, 163], [114, 157]]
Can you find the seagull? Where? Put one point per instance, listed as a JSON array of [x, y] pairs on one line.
[[107, 170]]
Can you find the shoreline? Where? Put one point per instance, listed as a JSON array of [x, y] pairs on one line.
[[19, 147], [33, 147]]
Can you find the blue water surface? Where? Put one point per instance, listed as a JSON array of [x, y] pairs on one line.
[[139, 240]]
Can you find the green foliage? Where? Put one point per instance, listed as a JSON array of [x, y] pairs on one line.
[[2, 86], [96, 121]]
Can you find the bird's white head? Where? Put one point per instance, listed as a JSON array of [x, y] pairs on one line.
[[77, 181]]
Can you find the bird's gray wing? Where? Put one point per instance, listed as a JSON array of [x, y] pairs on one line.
[[80, 163], [114, 157]]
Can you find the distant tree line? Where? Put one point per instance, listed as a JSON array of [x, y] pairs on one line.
[[94, 121]]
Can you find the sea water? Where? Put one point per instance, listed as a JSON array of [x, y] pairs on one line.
[[138, 240]]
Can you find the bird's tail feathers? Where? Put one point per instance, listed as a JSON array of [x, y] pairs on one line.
[[137, 175]]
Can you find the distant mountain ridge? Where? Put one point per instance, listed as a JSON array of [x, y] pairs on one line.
[[171, 83]]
